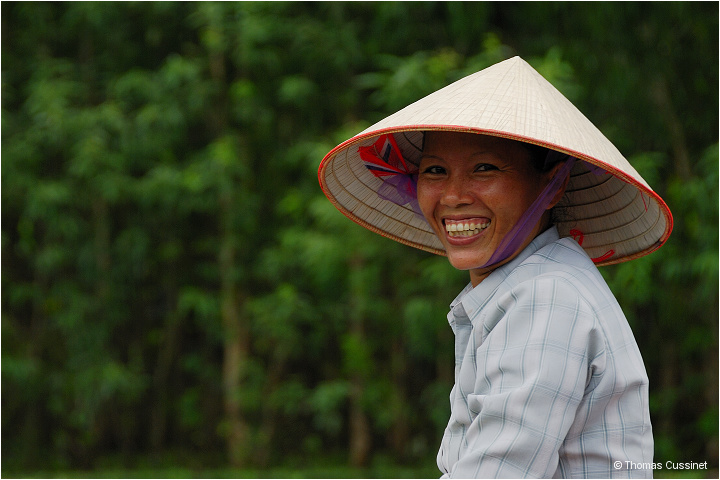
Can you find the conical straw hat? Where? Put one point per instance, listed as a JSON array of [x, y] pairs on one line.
[[608, 207]]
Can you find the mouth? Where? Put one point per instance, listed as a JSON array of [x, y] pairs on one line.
[[465, 228]]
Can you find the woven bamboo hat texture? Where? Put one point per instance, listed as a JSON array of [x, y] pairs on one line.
[[609, 208]]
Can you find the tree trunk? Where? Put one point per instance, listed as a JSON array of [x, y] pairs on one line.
[[660, 94], [399, 431], [711, 389], [236, 347], [360, 440], [161, 378], [359, 425], [236, 334]]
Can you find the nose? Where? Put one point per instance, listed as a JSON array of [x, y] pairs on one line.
[[456, 192]]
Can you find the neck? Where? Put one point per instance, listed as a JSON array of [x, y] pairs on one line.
[[477, 275]]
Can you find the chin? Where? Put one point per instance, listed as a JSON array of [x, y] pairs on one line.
[[465, 263]]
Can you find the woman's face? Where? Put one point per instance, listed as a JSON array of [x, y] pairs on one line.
[[472, 190]]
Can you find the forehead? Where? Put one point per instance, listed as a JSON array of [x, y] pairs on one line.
[[448, 143]]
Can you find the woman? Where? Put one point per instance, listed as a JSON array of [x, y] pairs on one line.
[[502, 174]]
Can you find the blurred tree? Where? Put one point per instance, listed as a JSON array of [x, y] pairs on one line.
[[174, 280]]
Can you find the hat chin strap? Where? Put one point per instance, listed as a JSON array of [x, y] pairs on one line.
[[523, 228]]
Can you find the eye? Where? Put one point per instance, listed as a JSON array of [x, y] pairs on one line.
[[485, 167], [433, 170]]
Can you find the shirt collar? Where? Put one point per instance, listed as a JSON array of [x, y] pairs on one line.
[[472, 299]]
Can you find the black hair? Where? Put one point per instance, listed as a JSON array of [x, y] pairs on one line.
[[544, 159], [539, 156]]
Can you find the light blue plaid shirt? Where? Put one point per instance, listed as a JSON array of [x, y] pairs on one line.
[[549, 381]]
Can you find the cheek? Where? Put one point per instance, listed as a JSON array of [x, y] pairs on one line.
[[514, 200], [425, 198]]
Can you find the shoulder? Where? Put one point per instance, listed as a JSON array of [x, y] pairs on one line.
[[561, 285], [556, 290], [565, 266]]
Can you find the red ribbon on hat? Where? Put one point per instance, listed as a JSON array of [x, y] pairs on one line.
[[385, 160], [579, 237]]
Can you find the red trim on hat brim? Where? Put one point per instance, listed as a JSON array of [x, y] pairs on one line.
[[495, 133]]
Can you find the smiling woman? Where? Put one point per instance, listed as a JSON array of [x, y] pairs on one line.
[[549, 381]]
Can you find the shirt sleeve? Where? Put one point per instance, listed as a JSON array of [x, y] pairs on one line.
[[532, 363]]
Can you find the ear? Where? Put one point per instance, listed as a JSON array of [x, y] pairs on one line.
[[561, 191]]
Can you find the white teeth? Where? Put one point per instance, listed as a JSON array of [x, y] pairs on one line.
[[466, 229]]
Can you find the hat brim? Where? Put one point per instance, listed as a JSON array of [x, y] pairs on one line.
[[610, 210]]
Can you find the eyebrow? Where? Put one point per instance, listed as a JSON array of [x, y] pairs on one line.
[[481, 152]]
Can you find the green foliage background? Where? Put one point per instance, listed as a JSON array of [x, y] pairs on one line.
[[176, 290]]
